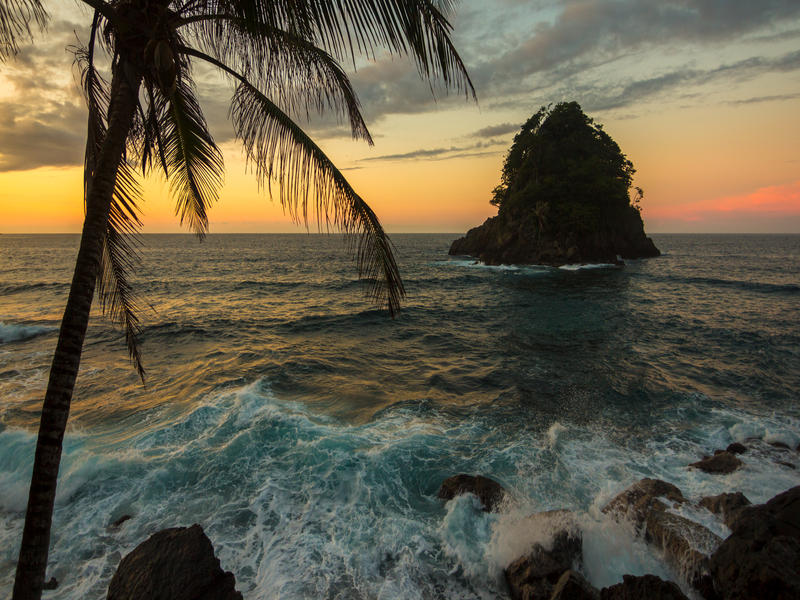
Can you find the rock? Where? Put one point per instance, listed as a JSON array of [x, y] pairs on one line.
[[635, 500], [574, 586], [729, 505], [535, 575], [724, 462], [50, 584], [736, 448], [173, 564], [118, 522], [779, 445], [647, 587], [687, 547], [489, 492], [761, 558]]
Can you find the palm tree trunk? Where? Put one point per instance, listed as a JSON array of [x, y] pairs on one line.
[[32, 562]]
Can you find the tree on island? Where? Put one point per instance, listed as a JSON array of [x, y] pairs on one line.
[[563, 173], [283, 58]]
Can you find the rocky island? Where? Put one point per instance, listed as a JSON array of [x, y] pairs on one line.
[[564, 198]]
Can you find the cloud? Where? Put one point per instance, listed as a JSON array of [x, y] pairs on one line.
[[495, 130], [43, 121], [477, 149], [773, 202]]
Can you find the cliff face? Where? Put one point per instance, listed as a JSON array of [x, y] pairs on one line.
[[517, 241]]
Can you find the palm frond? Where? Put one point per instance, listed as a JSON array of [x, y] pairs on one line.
[[280, 150], [120, 259], [193, 160], [16, 17], [415, 28], [300, 77]]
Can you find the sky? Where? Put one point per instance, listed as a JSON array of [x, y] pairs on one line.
[[703, 96]]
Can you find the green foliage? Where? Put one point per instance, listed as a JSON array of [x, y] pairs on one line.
[[561, 158]]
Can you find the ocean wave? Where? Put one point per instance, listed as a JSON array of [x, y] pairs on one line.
[[587, 266], [12, 332], [16, 289]]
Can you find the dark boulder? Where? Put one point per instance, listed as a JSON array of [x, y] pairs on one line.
[[118, 523], [489, 492], [535, 575], [728, 505], [724, 462], [761, 558], [647, 587], [173, 564], [634, 502], [574, 586], [736, 448]]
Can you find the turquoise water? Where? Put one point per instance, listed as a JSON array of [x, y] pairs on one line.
[[308, 433]]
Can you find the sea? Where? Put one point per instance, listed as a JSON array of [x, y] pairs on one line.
[[308, 432]]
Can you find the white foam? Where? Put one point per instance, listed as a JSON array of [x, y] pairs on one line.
[[587, 266]]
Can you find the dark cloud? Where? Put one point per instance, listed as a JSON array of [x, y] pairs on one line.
[[495, 130], [45, 125], [520, 54], [478, 149]]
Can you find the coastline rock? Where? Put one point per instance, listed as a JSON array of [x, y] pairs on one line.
[[647, 587], [687, 547], [511, 242], [535, 575], [173, 564], [761, 558], [736, 448], [50, 584], [729, 505], [116, 524], [635, 501], [574, 586], [724, 462], [488, 491]]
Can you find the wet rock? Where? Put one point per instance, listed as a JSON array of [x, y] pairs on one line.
[[736, 448], [637, 499], [489, 492], [535, 575], [779, 445], [724, 462], [647, 587], [574, 586], [116, 524], [728, 505], [173, 564], [50, 584], [761, 558], [687, 548]]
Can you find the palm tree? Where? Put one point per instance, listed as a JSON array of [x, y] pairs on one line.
[[283, 58]]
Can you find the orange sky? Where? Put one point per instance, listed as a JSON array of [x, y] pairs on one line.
[[707, 111]]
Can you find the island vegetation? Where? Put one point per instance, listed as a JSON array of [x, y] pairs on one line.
[[564, 197]]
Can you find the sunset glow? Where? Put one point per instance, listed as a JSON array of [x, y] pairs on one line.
[[705, 108]]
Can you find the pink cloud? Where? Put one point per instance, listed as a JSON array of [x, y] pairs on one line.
[[773, 201]]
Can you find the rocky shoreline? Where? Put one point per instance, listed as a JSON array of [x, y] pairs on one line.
[[760, 559]]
